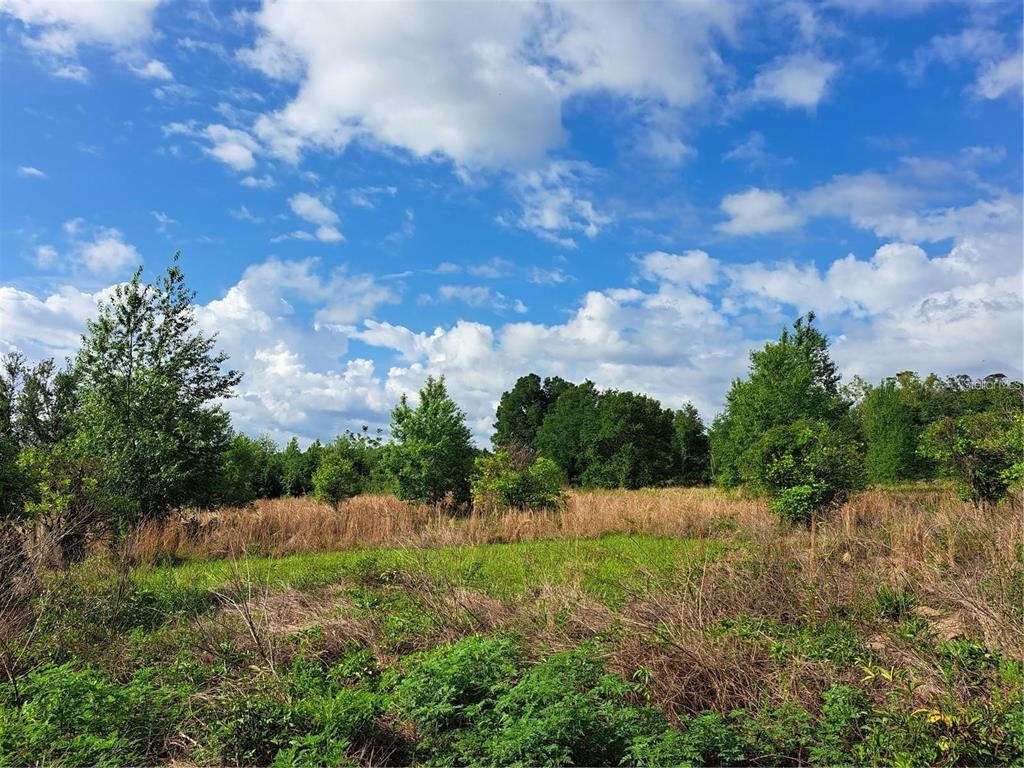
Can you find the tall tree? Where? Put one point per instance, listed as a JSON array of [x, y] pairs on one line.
[[565, 432], [630, 443], [791, 379], [522, 409], [890, 434], [149, 384], [431, 457], [693, 446]]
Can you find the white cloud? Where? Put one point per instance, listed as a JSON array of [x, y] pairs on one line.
[[315, 211], [30, 172], [998, 67], [757, 211], [231, 146], [46, 256], [484, 89], [108, 252], [258, 182], [154, 69], [800, 81], [1002, 77], [552, 207], [54, 30], [693, 268], [162, 220]]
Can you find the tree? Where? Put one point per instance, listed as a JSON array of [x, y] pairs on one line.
[[521, 410], [515, 479], [294, 467], [891, 434], [693, 446], [432, 454], [630, 444], [335, 479], [149, 381], [804, 467], [16, 484], [981, 452], [791, 379], [565, 432]]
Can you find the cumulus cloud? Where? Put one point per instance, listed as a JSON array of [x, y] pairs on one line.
[[231, 146], [758, 211], [315, 211], [495, 96], [108, 252], [800, 81], [552, 205], [54, 30]]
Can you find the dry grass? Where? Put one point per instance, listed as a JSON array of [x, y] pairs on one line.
[[281, 527]]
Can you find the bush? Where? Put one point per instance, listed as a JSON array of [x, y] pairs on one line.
[[71, 716], [981, 452], [335, 479], [803, 467], [510, 479]]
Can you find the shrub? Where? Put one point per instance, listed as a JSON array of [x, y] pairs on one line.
[[445, 687], [803, 467], [981, 452], [335, 479], [511, 479], [894, 603], [843, 712], [567, 711], [71, 716]]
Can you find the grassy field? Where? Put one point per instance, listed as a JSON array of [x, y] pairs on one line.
[[681, 627]]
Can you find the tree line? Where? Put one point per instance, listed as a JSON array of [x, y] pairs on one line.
[[133, 428]]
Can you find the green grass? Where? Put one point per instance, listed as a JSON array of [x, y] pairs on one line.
[[607, 568]]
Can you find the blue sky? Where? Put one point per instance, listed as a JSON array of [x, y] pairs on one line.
[[365, 194]]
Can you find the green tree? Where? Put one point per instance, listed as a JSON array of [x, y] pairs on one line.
[[251, 469], [804, 467], [335, 479], [630, 444], [149, 384], [521, 410], [981, 452], [17, 486], [693, 445], [515, 479], [891, 433], [431, 456], [565, 432], [791, 379]]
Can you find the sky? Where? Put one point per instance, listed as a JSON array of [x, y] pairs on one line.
[[365, 194]]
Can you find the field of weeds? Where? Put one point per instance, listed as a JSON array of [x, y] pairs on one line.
[[668, 627]]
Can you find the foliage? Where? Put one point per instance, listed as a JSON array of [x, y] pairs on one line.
[[431, 457], [521, 410], [981, 452], [609, 439], [890, 435], [790, 380], [148, 381], [71, 716], [250, 470], [694, 446], [515, 480], [804, 467], [336, 478], [630, 444], [563, 435], [16, 483]]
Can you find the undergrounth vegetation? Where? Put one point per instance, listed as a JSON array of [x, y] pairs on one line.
[[668, 627]]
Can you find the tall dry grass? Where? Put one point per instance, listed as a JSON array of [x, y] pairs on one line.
[[281, 527]]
